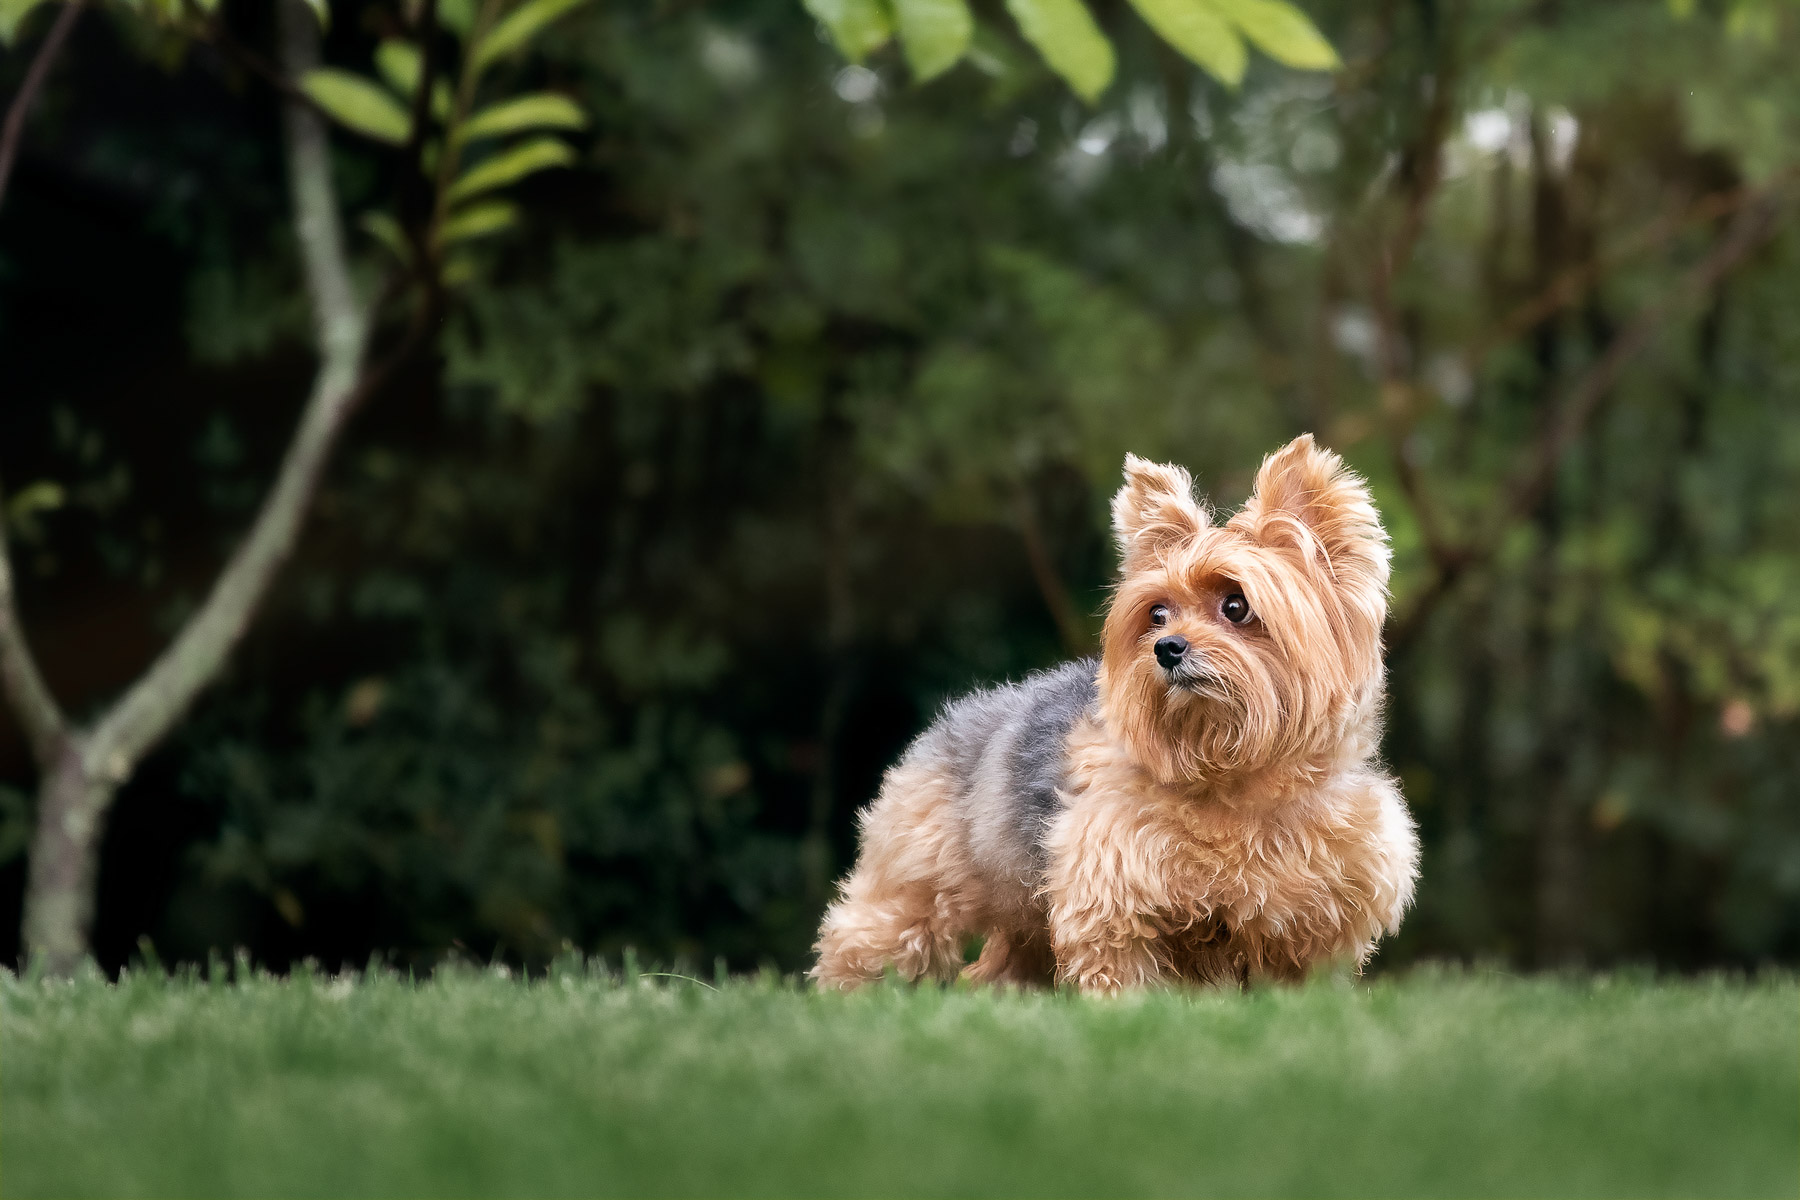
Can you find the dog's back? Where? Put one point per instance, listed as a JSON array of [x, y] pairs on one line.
[[1005, 749], [955, 843]]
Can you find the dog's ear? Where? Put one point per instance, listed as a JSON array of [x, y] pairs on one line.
[[1154, 510], [1307, 499]]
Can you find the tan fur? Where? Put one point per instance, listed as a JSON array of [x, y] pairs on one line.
[[1227, 826], [916, 892], [1151, 880]]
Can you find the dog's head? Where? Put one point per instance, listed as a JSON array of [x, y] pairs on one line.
[[1234, 647]]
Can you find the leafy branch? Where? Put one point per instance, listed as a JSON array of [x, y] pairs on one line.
[[14, 130], [406, 105], [82, 766], [1757, 220], [1214, 34]]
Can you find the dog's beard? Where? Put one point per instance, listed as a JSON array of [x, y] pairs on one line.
[[1202, 719], [1189, 680]]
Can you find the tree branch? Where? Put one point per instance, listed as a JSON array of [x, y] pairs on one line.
[[14, 130], [213, 30], [1419, 180], [152, 706], [1756, 222], [1076, 638], [1571, 285], [1417, 176], [24, 684], [450, 158], [1754, 225]]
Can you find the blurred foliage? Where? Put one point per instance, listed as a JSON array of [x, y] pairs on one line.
[[797, 409]]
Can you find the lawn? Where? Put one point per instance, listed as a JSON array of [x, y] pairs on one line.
[[1434, 1083]]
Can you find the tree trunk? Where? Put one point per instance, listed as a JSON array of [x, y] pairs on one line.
[[1077, 640], [837, 536], [65, 853], [81, 771], [1560, 929]]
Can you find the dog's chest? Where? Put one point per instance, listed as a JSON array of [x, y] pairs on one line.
[[1261, 869], [1275, 861], [1269, 870]]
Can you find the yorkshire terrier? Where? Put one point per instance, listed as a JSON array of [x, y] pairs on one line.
[[1203, 803]]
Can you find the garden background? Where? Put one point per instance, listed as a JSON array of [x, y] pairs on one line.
[[792, 407]]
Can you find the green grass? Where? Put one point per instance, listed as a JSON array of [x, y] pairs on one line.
[[475, 1084]]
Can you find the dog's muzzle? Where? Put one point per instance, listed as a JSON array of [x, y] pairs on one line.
[[1187, 669]]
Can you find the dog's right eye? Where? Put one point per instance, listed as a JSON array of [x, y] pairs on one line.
[[1159, 615]]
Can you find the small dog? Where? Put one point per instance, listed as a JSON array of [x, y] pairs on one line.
[[1203, 803]]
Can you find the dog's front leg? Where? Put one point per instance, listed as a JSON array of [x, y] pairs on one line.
[[1103, 888], [1104, 952]]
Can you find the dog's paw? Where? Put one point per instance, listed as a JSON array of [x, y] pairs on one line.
[[1100, 985]]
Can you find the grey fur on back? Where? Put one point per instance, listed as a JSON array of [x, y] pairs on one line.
[[1005, 749]]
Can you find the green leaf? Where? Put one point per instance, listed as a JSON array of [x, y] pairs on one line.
[[934, 34], [859, 27], [384, 229], [541, 110], [321, 11], [1282, 32], [358, 103], [478, 220], [12, 13], [1753, 19], [398, 62], [1064, 32], [512, 166], [1199, 31], [42, 496], [458, 16], [519, 27], [994, 54], [459, 270], [1010, 66]]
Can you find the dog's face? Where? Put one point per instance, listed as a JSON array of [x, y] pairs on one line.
[[1229, 648]]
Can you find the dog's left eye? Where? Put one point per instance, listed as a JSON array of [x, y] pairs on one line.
[[1235, 608], [1159, 615]]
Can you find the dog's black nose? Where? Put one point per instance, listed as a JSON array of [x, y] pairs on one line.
[[1169, 650]]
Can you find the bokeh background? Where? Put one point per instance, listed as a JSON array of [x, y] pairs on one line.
[[794, 407]]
